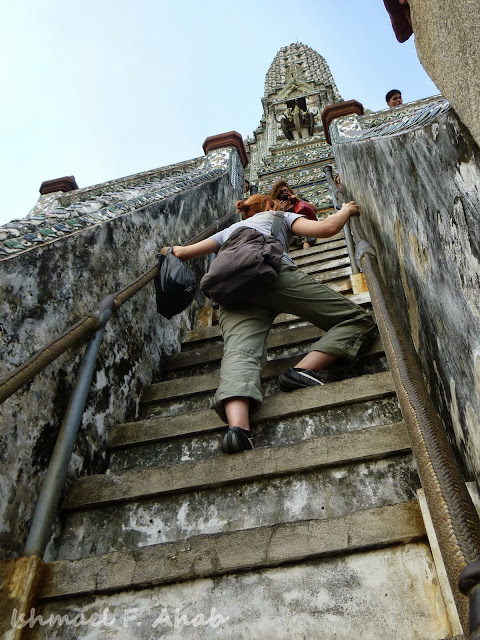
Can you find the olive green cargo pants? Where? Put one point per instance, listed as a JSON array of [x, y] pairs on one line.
[[348, 327]]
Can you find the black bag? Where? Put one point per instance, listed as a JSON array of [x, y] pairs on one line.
[[247, 259], [175, 285]]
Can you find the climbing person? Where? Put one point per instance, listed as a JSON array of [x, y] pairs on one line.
[[394, 98], [245, 327], [291, 202]]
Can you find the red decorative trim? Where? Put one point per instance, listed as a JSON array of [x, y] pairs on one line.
[[399, 12], [338, 110], [67, 183], [230, 139]]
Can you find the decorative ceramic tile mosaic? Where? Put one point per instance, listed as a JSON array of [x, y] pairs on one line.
[[389, 121], [59, 214]]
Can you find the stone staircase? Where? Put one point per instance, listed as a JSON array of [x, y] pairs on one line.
[[317, 533]]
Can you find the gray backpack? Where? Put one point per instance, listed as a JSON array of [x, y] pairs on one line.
[[247, 260]]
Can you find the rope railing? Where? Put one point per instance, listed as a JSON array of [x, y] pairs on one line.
[[25, 372], [456, 523]]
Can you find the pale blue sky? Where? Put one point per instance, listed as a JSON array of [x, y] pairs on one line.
[[101, 89]]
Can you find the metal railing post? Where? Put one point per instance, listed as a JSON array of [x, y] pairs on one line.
[[54, 481], [337, 198]]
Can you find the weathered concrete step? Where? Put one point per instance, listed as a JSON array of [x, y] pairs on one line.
[[321, 257], [367, 444], [218, 554], [275, 432], [327, 277], [319, 493], [201, 336], [206, 333], [203, 333], [210, 354], [321, 245], [328, 267], [362, 299], [202, 400], [190, 403], [186, 359], [362, 389], [192, 385], [388, 593]]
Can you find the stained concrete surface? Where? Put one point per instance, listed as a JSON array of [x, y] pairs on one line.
[[331, 493], [379, 595], [47, 289], [419, 193]]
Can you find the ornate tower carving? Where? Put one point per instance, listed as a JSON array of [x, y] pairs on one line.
[[289, 143]]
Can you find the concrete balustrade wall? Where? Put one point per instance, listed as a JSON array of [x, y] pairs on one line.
[[47, 289], [419, 195], [446, 39]]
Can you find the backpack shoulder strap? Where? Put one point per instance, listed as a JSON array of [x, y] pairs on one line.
[[277, 223]]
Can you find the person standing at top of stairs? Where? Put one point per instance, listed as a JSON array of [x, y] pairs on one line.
[[245, 328]]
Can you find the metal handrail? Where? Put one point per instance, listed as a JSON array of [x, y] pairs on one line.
[[337, 199], [95, 322], [455, 519], [90, 323], [52, 486]]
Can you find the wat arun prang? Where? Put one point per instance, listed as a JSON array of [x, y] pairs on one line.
[[290, 143]]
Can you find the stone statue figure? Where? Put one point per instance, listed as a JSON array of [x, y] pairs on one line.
[[285, 121], [310, 121], [298, 119], [285, 129]]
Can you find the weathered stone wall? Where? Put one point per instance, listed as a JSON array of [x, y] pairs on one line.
[[419, 195], [447, 36], [47, 289]]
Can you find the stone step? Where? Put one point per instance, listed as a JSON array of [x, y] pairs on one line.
[[166, 438], [212, 336], [321, 245], [207, 333], [328, 267], [316, 479], [219, 554], [280, 406], [320, 258], [383, 591], [207, 444], [156, 407], [327, 277], [207, 353], [363, 299], [213, 354], [191, 385], [203, 401], [365, 444]]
